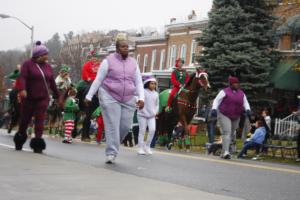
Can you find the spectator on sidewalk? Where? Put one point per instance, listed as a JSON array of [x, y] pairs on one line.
[[298, 138], [266, 114], [211, 123], [256, 140]]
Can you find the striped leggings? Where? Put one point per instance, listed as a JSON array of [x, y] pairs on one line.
[[69, 126]]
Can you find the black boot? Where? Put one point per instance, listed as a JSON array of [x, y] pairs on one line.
[[38, 145], [19, 141]]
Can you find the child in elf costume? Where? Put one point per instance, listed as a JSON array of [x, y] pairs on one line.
[[99, 119], [70, 109], [63, 81], [14, 98], [179, 77]]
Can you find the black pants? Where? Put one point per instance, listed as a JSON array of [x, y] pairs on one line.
[[128, 139], [88, 109], [135, 131], [298, 144], [87, 120]]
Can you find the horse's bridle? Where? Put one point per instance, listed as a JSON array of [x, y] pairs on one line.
[[187, 91]]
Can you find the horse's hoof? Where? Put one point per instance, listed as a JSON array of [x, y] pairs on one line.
[[169, 146], [86, 139]]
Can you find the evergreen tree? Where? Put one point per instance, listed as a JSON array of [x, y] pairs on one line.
[[237, 42]]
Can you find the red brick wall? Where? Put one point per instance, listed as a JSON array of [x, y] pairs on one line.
[[142, 51], [179, 40]]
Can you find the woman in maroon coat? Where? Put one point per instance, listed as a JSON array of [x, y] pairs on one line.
[[36, 80]]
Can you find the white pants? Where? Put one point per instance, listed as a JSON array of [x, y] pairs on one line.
[[117, 119], [143, 123]]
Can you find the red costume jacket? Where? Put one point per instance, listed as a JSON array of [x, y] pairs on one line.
[[89, 71], [177, 78]]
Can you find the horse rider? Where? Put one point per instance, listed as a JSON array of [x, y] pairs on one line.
[[179, 77]]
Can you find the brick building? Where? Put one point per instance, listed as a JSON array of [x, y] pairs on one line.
[[157, 54], [150, 52], [181, 38]]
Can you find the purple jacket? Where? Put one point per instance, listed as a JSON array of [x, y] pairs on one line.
[[232, 104], [120, 79], [32, 81]]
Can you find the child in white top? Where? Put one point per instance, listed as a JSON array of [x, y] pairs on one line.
[[146, 116]]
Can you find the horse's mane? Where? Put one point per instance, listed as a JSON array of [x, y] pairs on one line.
[[190, 80]]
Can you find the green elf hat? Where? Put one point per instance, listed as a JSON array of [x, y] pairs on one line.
[[94, 53], [14, 75], [64, 68]]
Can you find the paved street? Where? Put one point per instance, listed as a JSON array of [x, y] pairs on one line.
[[78, 171]]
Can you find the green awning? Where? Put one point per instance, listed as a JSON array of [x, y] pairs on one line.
[[284, 77]]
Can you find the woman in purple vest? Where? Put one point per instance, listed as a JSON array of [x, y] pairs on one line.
[[118, 82], [36, 80], [231, 103]]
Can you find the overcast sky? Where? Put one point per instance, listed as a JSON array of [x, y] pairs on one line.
[[62, 16]]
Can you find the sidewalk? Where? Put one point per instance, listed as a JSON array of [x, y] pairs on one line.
[[29, 176]]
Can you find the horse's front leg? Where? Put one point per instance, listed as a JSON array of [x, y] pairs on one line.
[[186, 137]]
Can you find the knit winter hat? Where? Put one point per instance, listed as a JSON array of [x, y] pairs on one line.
[[39, 50], [94, 53], [147, 79], [14, 75], [64, 68], [232, 80]]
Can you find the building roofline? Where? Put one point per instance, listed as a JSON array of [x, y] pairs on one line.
[[183, 24], [150, 38]]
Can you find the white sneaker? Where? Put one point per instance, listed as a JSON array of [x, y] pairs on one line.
[[226, 156], [254, 158], [110, 159], [141, 151], [148, 151]]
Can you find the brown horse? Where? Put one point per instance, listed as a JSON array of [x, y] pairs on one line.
[[184, 105]]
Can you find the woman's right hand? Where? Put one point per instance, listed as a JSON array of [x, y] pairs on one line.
[[23, 94]]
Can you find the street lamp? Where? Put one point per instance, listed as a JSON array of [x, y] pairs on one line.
[[3, 16]]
